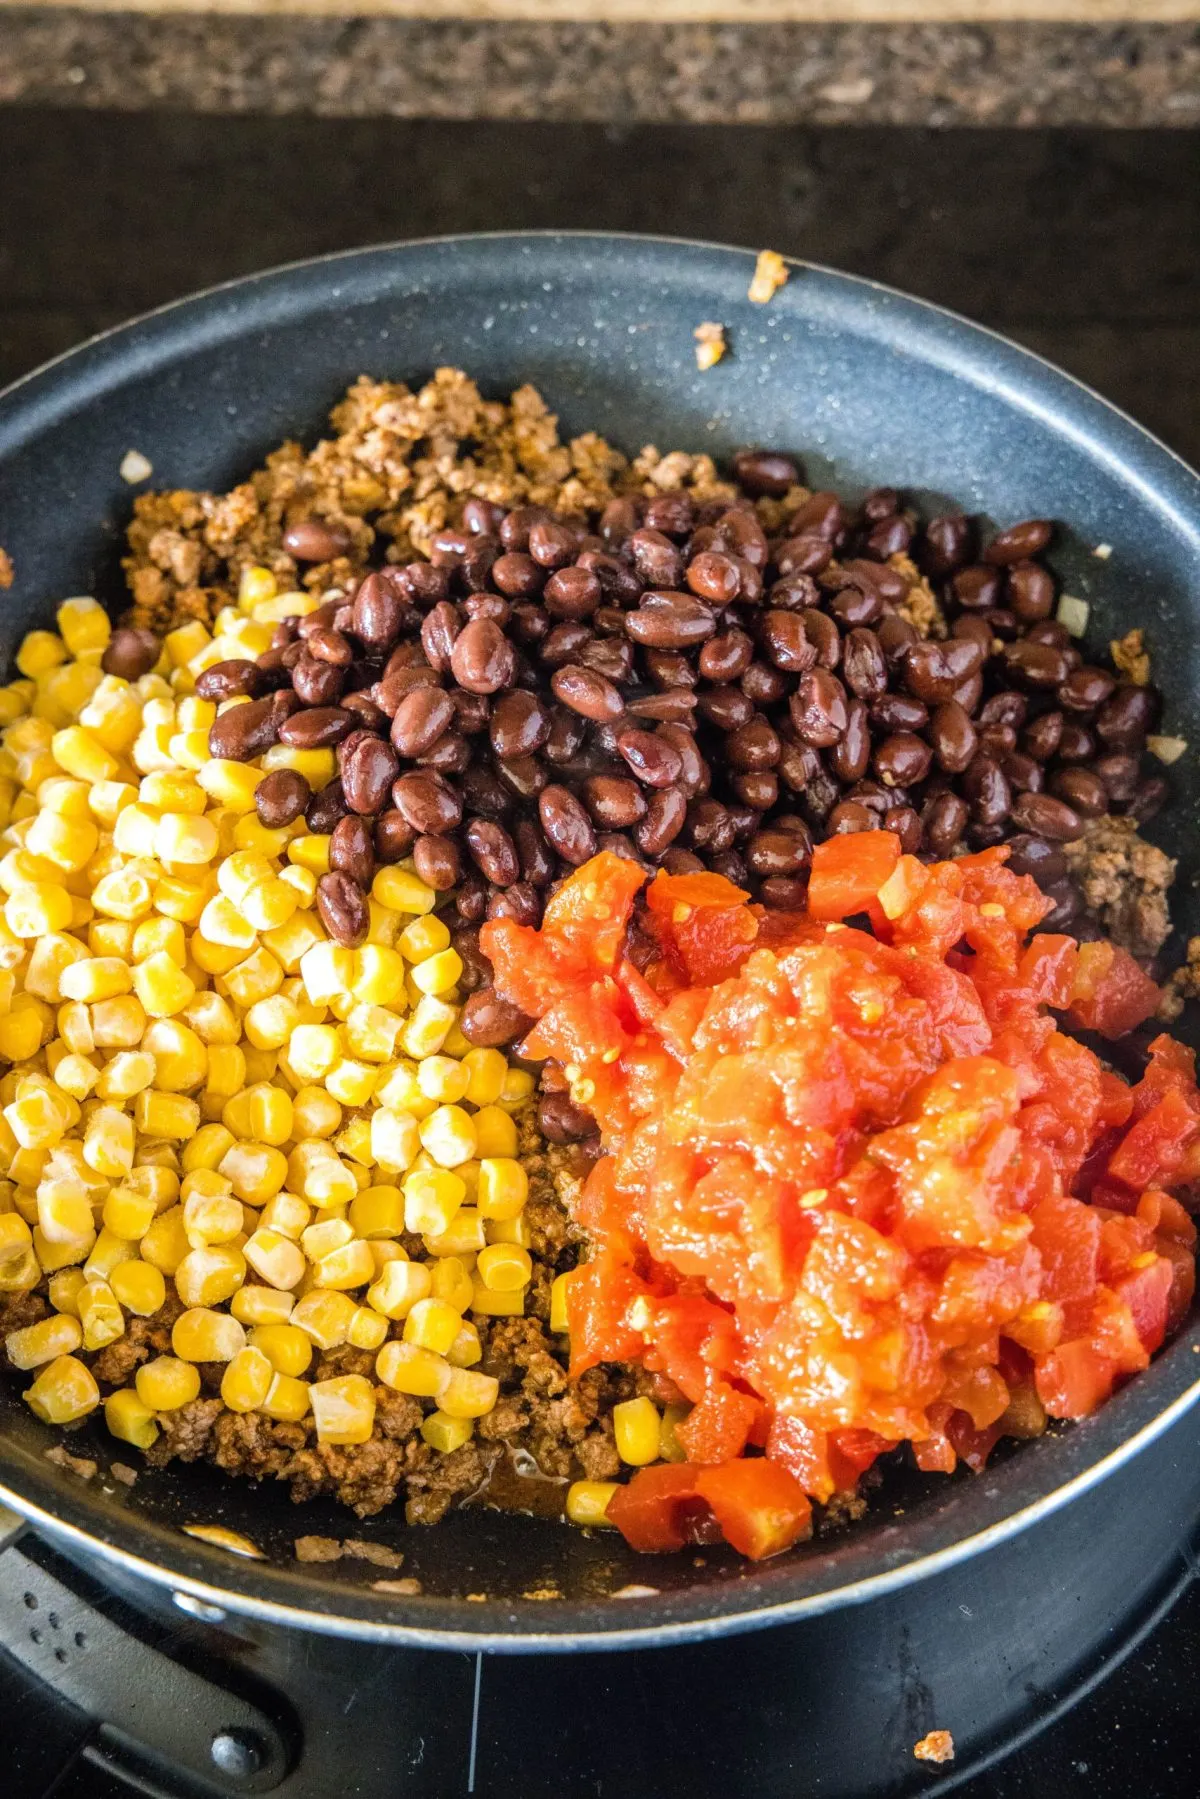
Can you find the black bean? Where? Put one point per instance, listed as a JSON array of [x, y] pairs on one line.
[[281, 797], [765, 472], [316, 540], [953, 736], [1029, 855], [493, 851], [588, 693], [946, 544], [943, 822], [1019, 542], [864, 665], [520, 723], [567, 826], [572, 593], [987, 791], [560, 1120], [352, 850], [490, 1022], [902, 759], [325, 808], [653, 761], [1044, 816], [664, 819], [1083, 791], [482, 659], [818, 708], [131, 653], [670, 621], [726, 657], [614, 801], [933, 670], [715, 577], [222, 680], [343, 907], [905, 824], [244, 731]]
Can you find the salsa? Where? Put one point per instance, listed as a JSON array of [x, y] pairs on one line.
[[863, 1187]]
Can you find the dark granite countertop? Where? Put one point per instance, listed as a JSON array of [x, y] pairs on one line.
[[945, 74]]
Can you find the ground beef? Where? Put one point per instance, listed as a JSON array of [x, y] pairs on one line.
[[186, 1433], [1124, 881], [433, 1488]]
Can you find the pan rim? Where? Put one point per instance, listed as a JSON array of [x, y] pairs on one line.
[[1023, 380]]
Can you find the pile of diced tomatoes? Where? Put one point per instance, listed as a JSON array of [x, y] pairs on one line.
[[862, 1188]]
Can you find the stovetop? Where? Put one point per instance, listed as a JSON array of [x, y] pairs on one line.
[[362, 1721]]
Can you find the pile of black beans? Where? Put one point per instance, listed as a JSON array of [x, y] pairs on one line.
[[672, 682]]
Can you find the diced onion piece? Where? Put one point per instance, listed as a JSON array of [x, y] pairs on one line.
[[1167, 749], [1073, 614]]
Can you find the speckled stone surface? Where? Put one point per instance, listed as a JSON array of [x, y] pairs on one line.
[[767, 74]]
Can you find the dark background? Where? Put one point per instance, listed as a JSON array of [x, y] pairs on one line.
[[1083, 244]]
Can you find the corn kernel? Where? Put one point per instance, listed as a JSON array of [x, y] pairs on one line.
[[432, 1198], [37, 908], [169, 1115], [442, 1079], [202, 1335], [287, 1399], [427, 1029], [636, 1431], [468, 1394], [15, 1238], [495, 1133], [276, 1258], [117, 1023], [377, 1212], [165, 1243], [368, 1329], [129, 1418], [432, 1324], [438, 974], [159, 933], [64, 1390], [42, 1342], [588, 1501], [503, 1187], [343, 1408], [504, 1267], [409, 1368], [138, 1287], [315, 1113], [247, 1380], [446, 1434], [466, 1348], [256, 1170], [463, 1236], [452, 1283], [351, 1082], [398, 1287], [209, 1216], [255, 1304], [378, 975], [449, 1136], [64, 1289], [162, 986], [559, 1321], [207, 1149], [125, 1075], [101, 1317], [166, 1383], [324, 1316], [288, 1349], [400, 891], [485, 1070]]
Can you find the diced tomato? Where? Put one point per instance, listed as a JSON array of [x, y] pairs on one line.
[[1074, 1380], [1153, 1148], [761, 1508], [848, 872], [861, 1188], [719, 1427], [1111, 994], [660, 1508]]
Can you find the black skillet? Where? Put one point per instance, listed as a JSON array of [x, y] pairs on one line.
[[867, 387]]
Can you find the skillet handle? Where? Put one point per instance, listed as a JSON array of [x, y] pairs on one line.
[[12, 1526]]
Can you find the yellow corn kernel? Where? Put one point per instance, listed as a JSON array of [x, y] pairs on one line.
[[287, 1399], [423, 937], [400, 891], [64, 1289], [588, 1501], [514, 1231], [485, 1071], [42, 1342], [15, 1238], [442, 1079], [158, 1179], [288, 1349], [410, 1368], [315, 1113], [101, 1317], [275, 1258], [180, 899], [162, 986], [117, 1023], [270, 1022], [463, 1236], [432, 1199], [229, 784], [371, 1032], [208, 1276], [468, 1394], [159, 933], [289, 943], [213, 1020], [138, 1287], [492, 1304], [324, 1316], [81, 754], [378, 978], [270, 906], [111, 938], [321, 1177], [207, 1149], [312, 1050], [23, 1273], [64, 1391], [636, 1430], [226, 1070], [438, 974], [559, 1322], [394, 1139], [180, 1055], [368, 1329], [108, 1142], [446, 1434], [518, 1088], [67, 842], [83, 624], [398, 1287], [21, 1034], [166, 1383], [202, 1335], [466, 1348], [270, 1113], [129, 1418], [37, 908], [76, 1075], [351, 1266], [256, 1170], [351, 1082], [128, 1213], [449, 1136], [210, 1217], [40, 651], [432, 1324], [184, 839], [343, 1408], [310, 852], [255, 1304], [165, 1243], [495, 1133], [64, 1215], [169, 1115], [257, 977], [376, 1212], [504, 1267], [452, 1282], [317, 766], [428, 1027], [503, 1187], [247, 1380]]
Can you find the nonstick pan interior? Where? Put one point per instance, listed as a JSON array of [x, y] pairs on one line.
[[866, 387]]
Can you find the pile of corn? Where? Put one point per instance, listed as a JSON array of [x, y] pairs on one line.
[[205, 1090]]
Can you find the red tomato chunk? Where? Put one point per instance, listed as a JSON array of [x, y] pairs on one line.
[[861, 1190]]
